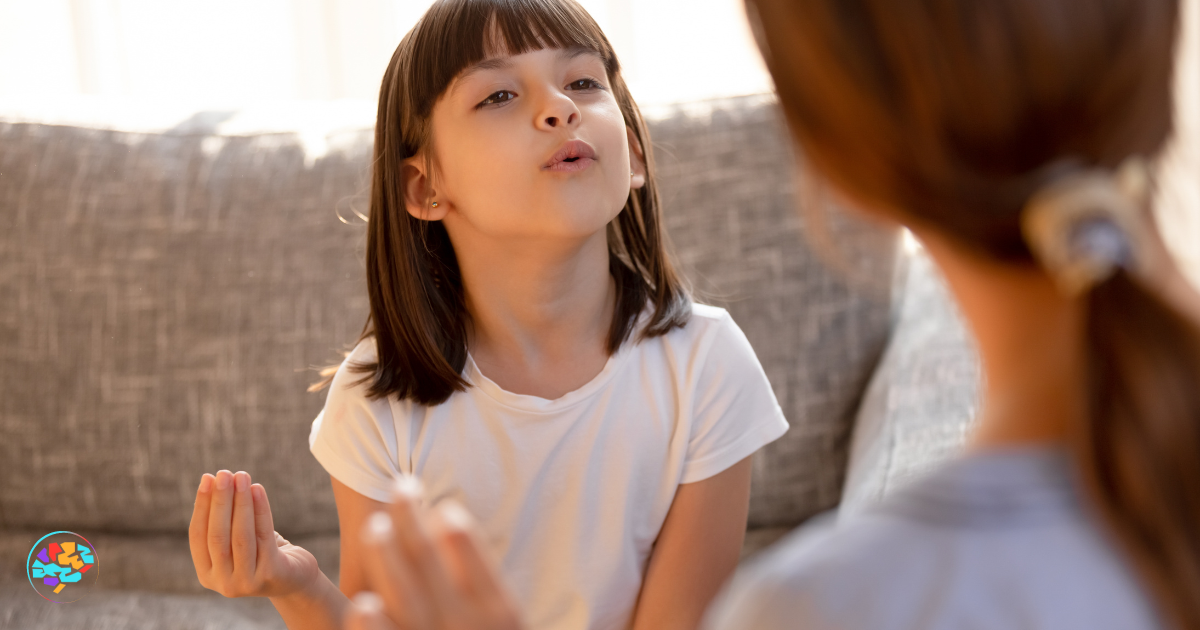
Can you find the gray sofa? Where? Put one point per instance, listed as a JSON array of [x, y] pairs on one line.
[[171, 280]]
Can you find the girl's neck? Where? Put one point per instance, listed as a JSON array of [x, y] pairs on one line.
[[540, 311]]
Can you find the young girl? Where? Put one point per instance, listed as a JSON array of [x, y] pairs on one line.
[[530, 352], [1011, 138]]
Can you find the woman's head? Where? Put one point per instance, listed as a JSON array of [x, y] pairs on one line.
[[477, 106], [949, 116], [928, 108]]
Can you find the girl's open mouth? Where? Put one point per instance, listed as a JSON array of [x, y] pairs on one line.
[[571, 164]]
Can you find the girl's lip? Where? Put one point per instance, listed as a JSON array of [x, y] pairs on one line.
[[570, 167], [575, 150]]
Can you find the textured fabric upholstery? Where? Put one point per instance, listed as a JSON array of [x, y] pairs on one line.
[[922, 400], [165, 294]]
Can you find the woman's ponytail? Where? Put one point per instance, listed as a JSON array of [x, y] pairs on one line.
[[1139, 446]]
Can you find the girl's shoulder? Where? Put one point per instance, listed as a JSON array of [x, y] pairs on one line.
[[351, 371], [352, 380], [707, 312], [704, 323], [711, 335], [364, 351]]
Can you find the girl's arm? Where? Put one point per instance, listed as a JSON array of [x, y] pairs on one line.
[[696, 551], [323, 604], [353, 509]]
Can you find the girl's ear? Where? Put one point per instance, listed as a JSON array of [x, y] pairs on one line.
[[419, 199], [637, 161]]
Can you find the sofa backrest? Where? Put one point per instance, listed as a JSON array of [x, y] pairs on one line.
[[165, 294]]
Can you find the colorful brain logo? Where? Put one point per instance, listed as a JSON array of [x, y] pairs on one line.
[[59, 566]]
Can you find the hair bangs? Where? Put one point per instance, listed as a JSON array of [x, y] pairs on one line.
[[455, 35]]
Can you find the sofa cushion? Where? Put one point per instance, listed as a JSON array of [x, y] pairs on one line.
[[923, 398], [167, 289], [21, 607], [165, 295]]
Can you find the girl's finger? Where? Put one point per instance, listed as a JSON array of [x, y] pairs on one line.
[[266, 538], [417, 544], [242, 529], [473, 569], [198, 528], [219, 516], [366, 613], [390, 575]]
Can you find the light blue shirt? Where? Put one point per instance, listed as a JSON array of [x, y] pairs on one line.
[[996, 540]]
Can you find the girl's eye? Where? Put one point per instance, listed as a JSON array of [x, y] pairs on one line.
[[585, 84], [496, 99]]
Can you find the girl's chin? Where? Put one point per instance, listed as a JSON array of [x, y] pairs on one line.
[[576, 224]]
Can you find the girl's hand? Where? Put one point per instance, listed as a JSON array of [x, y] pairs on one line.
[[235, 547], [427, 571]]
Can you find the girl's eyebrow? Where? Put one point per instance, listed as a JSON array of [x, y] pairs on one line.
[[501, 63], [495, 63]]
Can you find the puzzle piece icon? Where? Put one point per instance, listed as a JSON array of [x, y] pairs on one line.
[[64, 574], [68, 558], [43, 570]]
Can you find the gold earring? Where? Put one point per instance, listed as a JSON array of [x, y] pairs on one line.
[[435, 204]]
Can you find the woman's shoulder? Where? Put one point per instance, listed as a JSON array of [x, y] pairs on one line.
[[934, 554], [820, 576]]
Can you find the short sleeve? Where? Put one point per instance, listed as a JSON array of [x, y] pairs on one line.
[[734, 410], [354, 437]]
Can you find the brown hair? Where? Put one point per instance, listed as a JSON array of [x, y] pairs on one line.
[[931, 108], [418, 316]]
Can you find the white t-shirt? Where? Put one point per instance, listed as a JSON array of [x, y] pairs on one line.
[[571, 492]]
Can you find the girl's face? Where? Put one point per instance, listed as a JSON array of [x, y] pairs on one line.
[[528, 146]]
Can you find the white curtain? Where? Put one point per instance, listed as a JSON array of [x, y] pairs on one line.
[[230, 51]]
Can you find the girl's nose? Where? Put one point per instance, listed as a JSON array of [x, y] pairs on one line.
[[553, 121], [558, 110]]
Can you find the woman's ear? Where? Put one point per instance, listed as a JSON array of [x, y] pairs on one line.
[[637, 161], [420, 200]]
